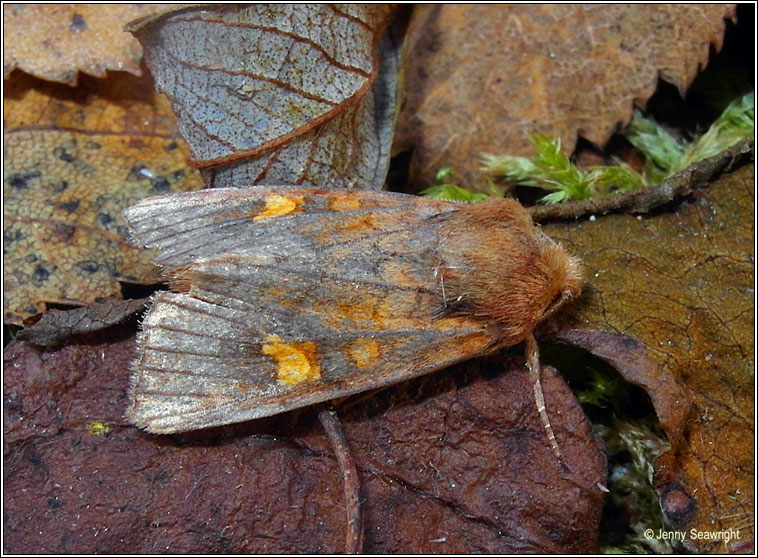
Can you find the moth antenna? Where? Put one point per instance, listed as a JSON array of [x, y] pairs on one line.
[[533, 364]]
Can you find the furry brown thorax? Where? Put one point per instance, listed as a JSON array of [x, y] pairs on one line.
[[500, 267]]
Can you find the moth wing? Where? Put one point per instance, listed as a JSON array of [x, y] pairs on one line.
[[204, 365], [333, 301], [194, 225]]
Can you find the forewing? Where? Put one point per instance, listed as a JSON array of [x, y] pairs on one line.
[[335, 298], [264, 221]]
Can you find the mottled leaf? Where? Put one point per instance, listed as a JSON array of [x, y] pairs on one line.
[[57, 41], [74, 159], [682, 282], [279, 94], [482, 78]]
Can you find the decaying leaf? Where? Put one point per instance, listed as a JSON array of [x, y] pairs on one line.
[[57, 325], [70, 169], [682, 283], [451, 463], [279, 94], [482, 78], [57, 41]]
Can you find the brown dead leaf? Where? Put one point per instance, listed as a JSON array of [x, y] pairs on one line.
[[56, 41], [457, 462], [74, 160], [481, 78], [631, 359], [289, 94], [682, 283], [57, 325]]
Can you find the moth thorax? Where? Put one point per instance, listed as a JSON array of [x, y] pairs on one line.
[[516, 286]]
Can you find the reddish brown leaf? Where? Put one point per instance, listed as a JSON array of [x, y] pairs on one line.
[[456, 462], [56, 41], [481, 78], [631, 359]]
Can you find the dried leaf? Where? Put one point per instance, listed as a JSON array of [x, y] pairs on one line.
[[482, 78], [631, 359], [455, 463], [279, 94], [57, 325], [683, 284], [56, 41], [74, 160]]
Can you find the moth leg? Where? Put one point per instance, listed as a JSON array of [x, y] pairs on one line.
[[533, 364], [331, 424]]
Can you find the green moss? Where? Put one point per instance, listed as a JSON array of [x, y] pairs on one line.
[[451, 192], [443, 189], [664, 153]]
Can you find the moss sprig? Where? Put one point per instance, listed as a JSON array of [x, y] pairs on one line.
[[665, 154]]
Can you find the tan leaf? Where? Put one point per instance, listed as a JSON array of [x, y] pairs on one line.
[[682, 283], [56, 41], [74, 160], [285, 94], [481, 78]]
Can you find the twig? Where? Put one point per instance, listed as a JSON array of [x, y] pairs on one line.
[[682, 183], [331, 423]]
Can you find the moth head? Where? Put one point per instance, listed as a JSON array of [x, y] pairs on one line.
[[560, 274]]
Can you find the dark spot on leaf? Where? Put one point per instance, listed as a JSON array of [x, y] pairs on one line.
[[34, 458], [54, 503], [178, 175], [630, 342], [13, 235], [39, 276], [92, 145], [78, 23], [31, 310], [63, 155], [171, 146], [58, 187], [160, 184], [13, 401], [63, 231], [88, 266], [20, 181], [104, 218], [69, 206], [31, 258], [100, 299]]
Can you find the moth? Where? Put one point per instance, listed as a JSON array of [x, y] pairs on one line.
[[287, 297]]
